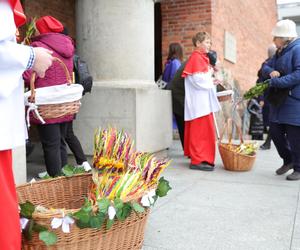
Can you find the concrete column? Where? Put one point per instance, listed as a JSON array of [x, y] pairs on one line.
[[116, 38], [19, 164]]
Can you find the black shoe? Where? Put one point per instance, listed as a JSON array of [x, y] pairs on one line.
[[265, 146], [283, 169], [295, 176], [202, 166]]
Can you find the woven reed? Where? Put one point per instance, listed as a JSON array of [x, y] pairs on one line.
[[234, 161], [224, 98], [69, 193], [50, 111]]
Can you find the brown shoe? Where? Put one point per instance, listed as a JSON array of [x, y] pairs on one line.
[[295, 176], [283, 169]]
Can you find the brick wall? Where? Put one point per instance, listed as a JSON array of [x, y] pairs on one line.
[[64, 11], [181, 19], [251, 25], [251, 22]]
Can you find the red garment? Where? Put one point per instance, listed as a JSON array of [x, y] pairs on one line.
[[19, 15], [10, 229], [48, 24], [197, 63], [200, 140]]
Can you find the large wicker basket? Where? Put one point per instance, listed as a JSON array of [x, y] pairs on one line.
[[234, 161], [69, 193], [50, 111]]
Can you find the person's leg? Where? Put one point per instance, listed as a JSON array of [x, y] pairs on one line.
[[180, 126], [293, 135], [202, 140], [63, 146], [267, 143], [74, 144], [10, 229], [50, 136], [278, 135]]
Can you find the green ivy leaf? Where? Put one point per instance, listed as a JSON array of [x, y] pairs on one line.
[[118, 204], [82, 216], [163, 187], [68, 170], [39, 228], [109, 224], [28, 230], [49, 238], [97, 220], [27, 209], [137, 207], [124, 212], [103, 205]]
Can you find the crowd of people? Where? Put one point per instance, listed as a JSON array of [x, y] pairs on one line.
[[194, 99]]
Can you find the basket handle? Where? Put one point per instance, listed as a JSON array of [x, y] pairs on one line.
[[227, 126], [33, 78]]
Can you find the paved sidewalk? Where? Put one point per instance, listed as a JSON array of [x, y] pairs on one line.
[[223, 210]]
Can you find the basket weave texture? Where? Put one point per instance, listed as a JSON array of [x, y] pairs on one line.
[[52, 111], [69, 193], [234, 161]]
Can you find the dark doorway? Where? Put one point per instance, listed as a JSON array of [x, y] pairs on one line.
[[158, 41]]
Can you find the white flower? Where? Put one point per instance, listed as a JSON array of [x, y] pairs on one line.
[[111, 212], [65, 222], [147, 199], [23, 222]]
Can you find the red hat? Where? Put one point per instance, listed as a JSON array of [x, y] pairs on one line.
[[19, 15], [47, 24]]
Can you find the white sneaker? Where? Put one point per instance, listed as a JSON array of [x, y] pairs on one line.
[[43, 175], [87, 167]]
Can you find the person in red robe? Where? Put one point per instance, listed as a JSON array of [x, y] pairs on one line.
[[14, 60], [200, 104]]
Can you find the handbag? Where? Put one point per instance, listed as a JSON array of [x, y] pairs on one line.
[[277, 96]]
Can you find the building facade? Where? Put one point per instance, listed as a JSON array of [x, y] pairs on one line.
[[125, 44]]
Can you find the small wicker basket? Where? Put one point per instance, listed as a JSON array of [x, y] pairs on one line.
[[50, 111], [69, 193], [234, 161]]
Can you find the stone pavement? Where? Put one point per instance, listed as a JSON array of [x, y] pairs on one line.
[[220, 210], [224, 210]]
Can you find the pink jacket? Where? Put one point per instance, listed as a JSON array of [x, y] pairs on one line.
[[63, 48]]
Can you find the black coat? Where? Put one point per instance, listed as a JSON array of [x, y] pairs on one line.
[[178, 91]]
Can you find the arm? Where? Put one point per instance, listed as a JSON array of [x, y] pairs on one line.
[[202, 81], [15, 59], [175, 66], [291, 79], [267, 68]]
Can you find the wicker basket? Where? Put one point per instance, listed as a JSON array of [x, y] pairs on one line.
[[69, 193], [226, 97], [50, 111], [231, 160]]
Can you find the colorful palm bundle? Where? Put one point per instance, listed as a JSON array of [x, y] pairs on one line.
[[112, 149], [119, 172]]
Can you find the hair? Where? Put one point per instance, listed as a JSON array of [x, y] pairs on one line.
[[200, 37], [175, 51]]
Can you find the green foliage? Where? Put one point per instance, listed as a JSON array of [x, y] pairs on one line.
[[109, 224], [163, 187], [137, 207], [27, 209], [256, 91], [70, 170], [49, 238], [103, 205]]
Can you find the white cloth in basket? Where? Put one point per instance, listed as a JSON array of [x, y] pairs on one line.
[[56, 94], [52, 95]]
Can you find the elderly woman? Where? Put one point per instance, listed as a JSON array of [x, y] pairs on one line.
[[284, 96]]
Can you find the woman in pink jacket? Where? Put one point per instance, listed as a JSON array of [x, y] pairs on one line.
[[53, 132]]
